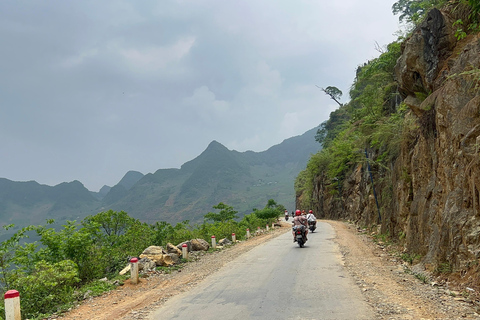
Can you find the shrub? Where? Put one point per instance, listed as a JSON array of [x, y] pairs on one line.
[[48, 287]]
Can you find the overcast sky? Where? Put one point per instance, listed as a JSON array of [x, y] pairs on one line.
[[92, 89]]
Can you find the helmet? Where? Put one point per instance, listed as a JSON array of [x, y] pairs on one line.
[[310, 211], [298, 212]]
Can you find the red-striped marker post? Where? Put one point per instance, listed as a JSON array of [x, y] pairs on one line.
[[267, 227], [248, 233], [234, 238], [12, 305], [214, 242], [184, 251], [134, 271]]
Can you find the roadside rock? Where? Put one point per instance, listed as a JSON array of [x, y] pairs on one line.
[[173, 249], [199, 245], [224, 242], [146, 264], [188, 243]]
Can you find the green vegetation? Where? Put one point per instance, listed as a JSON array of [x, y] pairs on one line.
[[415, 10], [422, 277], [445, 268], [65, 265], [373, 120], [411, 258]]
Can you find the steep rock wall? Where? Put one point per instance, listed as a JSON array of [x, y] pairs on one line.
[[434, 185], [437, 201]]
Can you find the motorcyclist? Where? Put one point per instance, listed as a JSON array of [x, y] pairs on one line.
[[311, 218], [300, 220], [286, 215]]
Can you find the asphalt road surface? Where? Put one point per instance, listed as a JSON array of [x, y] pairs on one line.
[[276, 280]]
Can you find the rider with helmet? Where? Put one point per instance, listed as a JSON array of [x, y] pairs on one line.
[[286, 215], [300, 220], [311, 218]]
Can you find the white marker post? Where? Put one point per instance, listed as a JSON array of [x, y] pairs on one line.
[[248, 233], [134, 271], [273, 225], [12, 305], [234, 238], [267, 227], [184, 251], [214, 242]]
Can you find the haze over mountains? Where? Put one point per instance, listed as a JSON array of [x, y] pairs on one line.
[[244, 180]]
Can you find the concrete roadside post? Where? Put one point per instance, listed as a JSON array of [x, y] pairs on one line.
[[12, 305], [184, 251], [273, 225], [248, 233], [267, 227], [234, 238], [214, 242], [134, 271]]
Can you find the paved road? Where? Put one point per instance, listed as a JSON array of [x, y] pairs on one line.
[[276, 280]]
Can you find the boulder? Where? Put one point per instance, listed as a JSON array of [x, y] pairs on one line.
[[125, 270], [199, 245], [173, 249], [146, 264], [224, 242], [154, 253], [154, 250], [188, 243], [175, 258], [153, 257], [166, 261], [160, 259]]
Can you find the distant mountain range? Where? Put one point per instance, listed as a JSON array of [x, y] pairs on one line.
[[244, 180]]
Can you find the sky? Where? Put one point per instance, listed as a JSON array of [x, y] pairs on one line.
[[92, 89]]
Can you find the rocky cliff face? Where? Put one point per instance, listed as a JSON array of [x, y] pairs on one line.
[[434, 185]]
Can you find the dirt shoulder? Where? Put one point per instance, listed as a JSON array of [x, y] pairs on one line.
[[391, 286], [392, 293]]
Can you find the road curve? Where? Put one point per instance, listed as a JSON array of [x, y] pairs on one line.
[[276, 280]]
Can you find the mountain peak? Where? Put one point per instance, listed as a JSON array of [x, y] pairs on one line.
[[216, 145]]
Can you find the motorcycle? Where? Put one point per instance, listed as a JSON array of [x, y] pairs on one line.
[[312, 225], [286, 217], [300, 236]]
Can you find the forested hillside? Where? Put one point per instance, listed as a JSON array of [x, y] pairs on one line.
[[403, 152]]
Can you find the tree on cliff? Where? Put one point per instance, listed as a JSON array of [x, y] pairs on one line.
[[334, 93]]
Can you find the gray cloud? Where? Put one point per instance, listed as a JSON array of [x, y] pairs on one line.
[[90, 90]]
